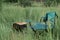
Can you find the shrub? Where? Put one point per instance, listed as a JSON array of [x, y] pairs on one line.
[[11, 1], [25, 3], [50, 2], [0, 5]]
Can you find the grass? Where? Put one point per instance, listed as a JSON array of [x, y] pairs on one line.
[[11, 14]]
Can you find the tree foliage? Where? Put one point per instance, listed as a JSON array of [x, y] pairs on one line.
[[50, 2], [25, 3], [21, 2], [0, 5], [11, 1]]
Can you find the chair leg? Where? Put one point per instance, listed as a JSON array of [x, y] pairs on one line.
[[36, 34], [46, 30]]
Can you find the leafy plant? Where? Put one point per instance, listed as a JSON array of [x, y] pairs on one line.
[[25, 3], [0, 5], [50, 2]]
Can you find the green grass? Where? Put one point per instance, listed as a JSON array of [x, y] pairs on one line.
[[11, 14]]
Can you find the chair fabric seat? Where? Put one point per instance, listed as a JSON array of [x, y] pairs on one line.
[[40, 26]]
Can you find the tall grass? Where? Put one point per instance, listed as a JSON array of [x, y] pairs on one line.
[[11, 14]]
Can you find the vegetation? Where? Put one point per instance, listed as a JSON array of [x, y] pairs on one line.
[[25, 2], [0, 5], [13, 1], [11, 13], [51, 2]]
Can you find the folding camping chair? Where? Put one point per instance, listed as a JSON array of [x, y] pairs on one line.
[[40, 26], [50, 16]]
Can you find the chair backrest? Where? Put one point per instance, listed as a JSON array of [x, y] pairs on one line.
[[51, 17]]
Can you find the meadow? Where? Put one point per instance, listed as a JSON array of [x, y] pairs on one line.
[[11, 13]]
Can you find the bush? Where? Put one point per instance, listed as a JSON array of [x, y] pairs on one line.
[[0, 5], [50, 2], [47, 3], [25, 3], [11, 1]]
